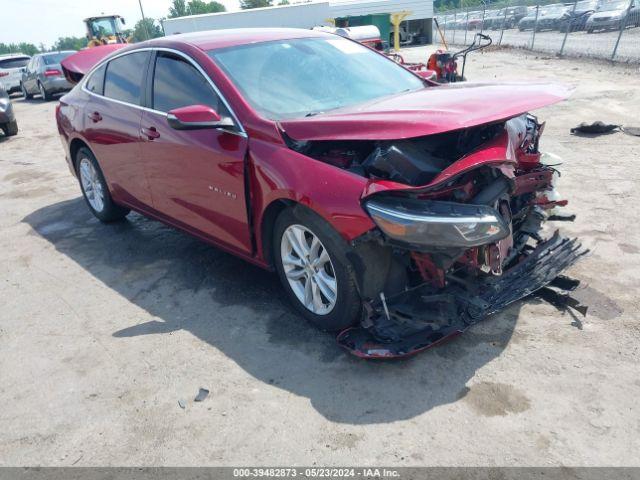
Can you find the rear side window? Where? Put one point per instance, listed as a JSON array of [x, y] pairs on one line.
[[95, 83], [14, 62], [124, 77], [177, 83]]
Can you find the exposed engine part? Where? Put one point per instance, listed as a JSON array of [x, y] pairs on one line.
[[404, 162], [413, 162], [490, 194]]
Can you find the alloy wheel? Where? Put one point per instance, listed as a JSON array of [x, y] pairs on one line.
[[91, 185], [308, 269]]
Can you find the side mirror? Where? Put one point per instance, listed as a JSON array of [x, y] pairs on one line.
[[196, 117], [122, 20]]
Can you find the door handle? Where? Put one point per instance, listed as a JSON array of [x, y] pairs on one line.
[[151, 133], [95, 117]]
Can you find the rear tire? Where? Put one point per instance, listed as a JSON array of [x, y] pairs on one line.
[[95, 190], [25, 94], [322, 250], [10, 129], [46, 96]]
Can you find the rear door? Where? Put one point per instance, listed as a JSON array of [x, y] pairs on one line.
[[112, 125], [196, 176]]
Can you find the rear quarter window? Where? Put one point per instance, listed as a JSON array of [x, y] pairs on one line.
[[95, 82], [124, 77]]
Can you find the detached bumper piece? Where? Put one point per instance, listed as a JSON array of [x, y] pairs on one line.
[[421, 318]]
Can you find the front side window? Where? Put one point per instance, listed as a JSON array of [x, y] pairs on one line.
[[124, 77], [177, 83], [95, 83], [293, 78]]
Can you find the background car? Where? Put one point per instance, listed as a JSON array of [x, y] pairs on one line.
[[43, 75], [11, 70], [614, 14], [551, 17], [576, 19], [512, 16], [8, 122]]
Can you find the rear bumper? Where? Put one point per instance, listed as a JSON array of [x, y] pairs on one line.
[[56, 84], [610, 23], [11, 85], [420, 318]]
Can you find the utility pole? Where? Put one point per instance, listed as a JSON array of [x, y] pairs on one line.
[[144, 20]]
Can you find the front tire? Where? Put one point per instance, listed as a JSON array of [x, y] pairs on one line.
[[25, 93], [95, 190], [311, 260], [10, 129]]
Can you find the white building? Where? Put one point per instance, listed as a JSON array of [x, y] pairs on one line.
[[311, 14]]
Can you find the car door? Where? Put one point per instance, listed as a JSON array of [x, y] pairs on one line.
[[196, 177], [29, 75], [112, 125]]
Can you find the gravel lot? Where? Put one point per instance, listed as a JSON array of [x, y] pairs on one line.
[[600, 44], [103, 329]]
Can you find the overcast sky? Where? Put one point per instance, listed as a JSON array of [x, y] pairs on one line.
[[36, 21]]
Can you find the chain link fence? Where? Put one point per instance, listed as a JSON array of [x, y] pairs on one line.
[[607, 29]]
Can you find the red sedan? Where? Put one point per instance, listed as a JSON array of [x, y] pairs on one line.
[[394, 209]]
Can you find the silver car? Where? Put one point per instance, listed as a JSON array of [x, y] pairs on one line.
[[8, 122], [43, 75], [11, 71]]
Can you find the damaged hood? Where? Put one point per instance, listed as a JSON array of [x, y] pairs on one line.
[[429, 111], [77, 65]]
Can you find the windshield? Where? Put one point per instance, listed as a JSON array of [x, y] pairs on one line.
[[55, 57], [552, 10], [586, 5], [103, 27], [298, 77], [609, 6]]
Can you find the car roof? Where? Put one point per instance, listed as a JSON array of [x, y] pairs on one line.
[[13, 55], [47, 54], [215, 39]]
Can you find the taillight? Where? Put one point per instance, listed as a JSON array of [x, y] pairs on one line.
[[4, 74], [52, 73]]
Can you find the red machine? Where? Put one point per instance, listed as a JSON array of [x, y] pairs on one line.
[[445, 64]]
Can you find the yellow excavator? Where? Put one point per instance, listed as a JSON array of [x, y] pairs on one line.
[[105, 30]]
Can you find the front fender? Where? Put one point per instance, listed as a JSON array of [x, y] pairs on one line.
[[278, 173]]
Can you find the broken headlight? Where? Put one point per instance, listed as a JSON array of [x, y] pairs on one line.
[[437, 224]]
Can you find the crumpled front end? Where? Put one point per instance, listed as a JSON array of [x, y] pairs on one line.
[[459, 219], [466, 244]]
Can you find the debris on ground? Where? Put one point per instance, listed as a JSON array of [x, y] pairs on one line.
[[595, 128], [182, 403], [202, 394]]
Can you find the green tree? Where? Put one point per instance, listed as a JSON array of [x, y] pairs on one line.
[[181, 8], [22, 47], [197, 7], [284, 2], [178, 9], [70, 43], [146, 29], [247, 4]]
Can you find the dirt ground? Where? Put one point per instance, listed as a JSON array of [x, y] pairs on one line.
[[104, 328]]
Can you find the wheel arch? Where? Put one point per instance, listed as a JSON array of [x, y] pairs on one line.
[[75, 145]]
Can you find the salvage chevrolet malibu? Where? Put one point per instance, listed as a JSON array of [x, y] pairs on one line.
[[394, 210]]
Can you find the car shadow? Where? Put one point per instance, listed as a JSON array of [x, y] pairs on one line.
[[242, 311]]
